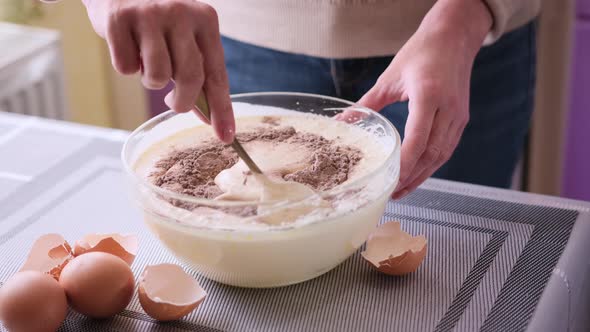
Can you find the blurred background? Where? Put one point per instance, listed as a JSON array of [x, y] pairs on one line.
[[53, 65]]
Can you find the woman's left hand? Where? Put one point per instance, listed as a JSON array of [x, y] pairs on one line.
[[432, 71]]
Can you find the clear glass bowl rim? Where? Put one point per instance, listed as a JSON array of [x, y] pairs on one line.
[[213, 203]]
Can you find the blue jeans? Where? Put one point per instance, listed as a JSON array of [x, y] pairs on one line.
[[501, 100]]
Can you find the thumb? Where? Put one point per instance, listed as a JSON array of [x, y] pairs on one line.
[[379, 96]]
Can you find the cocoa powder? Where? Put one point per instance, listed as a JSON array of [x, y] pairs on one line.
[[329, 167], [191, 171], [271, 120]]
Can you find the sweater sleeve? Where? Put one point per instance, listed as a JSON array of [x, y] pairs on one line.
[[508, 15]]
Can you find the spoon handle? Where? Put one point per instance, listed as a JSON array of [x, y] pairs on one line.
[[203, 107], [245, 157]]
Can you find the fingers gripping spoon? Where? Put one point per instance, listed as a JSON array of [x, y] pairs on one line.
[[203, 107], [271, 190]]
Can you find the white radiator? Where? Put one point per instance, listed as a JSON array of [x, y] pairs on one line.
[[31, 72]]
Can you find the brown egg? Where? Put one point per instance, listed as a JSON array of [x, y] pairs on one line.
[[167, 293], [122, 246], [32, 301], [98, 284], [392, 251]]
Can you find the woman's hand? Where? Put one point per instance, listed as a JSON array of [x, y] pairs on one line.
[[432, 71], [169, 40]]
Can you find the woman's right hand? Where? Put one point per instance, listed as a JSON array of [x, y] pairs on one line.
[[169, 39]]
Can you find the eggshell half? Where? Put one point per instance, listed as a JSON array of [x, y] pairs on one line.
[[392, 251], [167, 293], [122, 246], [49, 254]]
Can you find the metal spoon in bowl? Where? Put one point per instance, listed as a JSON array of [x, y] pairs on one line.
[[203, 107], [271, 190]]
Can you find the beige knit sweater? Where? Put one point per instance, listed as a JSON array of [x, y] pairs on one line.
[[345, 28]]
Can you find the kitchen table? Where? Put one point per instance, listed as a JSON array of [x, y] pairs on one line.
[[497, 260]]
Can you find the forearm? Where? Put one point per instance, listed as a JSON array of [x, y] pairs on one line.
[[464, 21]]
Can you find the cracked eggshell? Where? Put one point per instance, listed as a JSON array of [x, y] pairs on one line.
[[392, 251], [122, 246], [167, 293], [49, 254]]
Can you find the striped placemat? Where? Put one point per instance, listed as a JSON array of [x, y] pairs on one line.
[[491, 253]]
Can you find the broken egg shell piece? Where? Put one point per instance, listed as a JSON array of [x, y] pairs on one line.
[[49, 254], [122, 246], [168, 293], [392, 251]]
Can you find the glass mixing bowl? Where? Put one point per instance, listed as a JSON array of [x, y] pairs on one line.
[[275, 255]]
